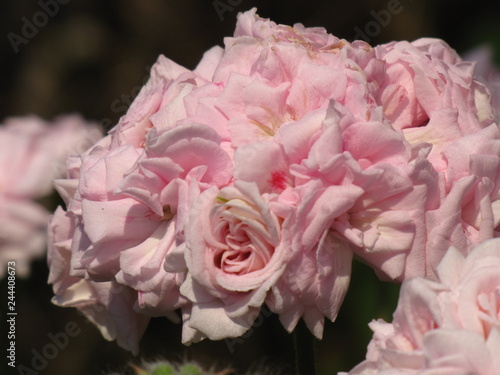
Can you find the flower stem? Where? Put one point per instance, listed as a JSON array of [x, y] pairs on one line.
[[304, 343]]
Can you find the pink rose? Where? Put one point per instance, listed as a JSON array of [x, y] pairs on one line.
[[236, 249], [146, 174], [446, 327]]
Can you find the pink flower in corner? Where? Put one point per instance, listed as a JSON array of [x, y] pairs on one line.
[[450, 326]]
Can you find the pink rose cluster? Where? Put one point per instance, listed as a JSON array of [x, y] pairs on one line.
[[449, 326], [256, 177], [32, 154]]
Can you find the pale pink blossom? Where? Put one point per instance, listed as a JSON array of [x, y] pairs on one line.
[[134, 189], [448, 326]]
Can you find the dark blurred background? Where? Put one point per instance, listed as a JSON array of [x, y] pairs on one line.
[[92, 57]]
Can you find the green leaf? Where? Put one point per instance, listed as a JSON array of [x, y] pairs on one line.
[[190, 370]]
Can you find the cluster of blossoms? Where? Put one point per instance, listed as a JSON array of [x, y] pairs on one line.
[[255, 178], [449, 326], [32, 154]]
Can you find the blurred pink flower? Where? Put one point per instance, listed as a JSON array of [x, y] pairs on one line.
[[32, 155], [448, 326], [23, 225], [34, 152]]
